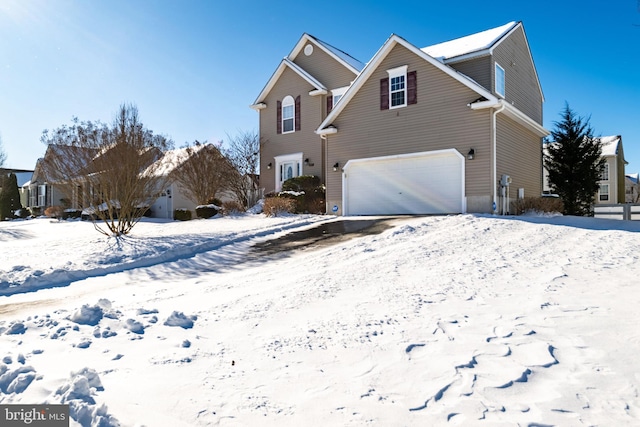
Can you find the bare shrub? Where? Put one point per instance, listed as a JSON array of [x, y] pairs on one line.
[[274, 206], [115, 165], [231, 207], [54, 211], [537, 204]]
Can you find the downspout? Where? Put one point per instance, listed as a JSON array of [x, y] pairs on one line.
[[494, 172], [325, 155]]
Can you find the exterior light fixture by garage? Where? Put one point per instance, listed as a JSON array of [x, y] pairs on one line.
[[269, 166], [336, 166], [306, 162], [471, 154]]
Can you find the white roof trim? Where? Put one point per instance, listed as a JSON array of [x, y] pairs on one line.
[[513, 113], [379, 57], [343, 58], [286, 62]]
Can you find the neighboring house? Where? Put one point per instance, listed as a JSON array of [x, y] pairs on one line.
[[632, 188], [445, 129], [23, 177], [42, 192], [612, 179]]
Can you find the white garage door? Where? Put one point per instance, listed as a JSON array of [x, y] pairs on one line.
[[418, 183]]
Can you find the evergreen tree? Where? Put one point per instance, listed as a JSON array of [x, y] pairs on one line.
[[574, 162], [9, 197]]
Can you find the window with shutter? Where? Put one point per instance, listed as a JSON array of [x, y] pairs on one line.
[[288, 114]]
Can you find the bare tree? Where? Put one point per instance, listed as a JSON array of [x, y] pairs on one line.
[[112, 170], [202, 173], [243, 152]]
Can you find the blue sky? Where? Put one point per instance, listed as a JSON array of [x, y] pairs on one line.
[[193, 67]]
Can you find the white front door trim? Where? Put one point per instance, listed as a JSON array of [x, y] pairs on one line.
[[281, 161]]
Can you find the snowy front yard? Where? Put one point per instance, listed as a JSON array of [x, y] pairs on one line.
[[458, 320]]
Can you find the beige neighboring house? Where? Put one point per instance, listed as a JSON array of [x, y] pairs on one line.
[[450, 128], [612, 179]]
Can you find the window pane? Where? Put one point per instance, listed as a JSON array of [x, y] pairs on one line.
[[500, 80], [287, 125], [397, 91], [397, 98], [397, 83], [287, 112]]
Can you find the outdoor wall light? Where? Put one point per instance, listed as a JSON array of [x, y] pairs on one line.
[[471, 154], [269, 166], [306, 162], [336, 166]]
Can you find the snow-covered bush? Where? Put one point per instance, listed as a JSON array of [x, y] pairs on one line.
[[207, 211], [182, 214]]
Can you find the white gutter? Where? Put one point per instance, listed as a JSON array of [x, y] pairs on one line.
[[494, 145]]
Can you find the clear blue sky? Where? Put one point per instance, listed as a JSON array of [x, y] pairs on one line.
[[193, 67]]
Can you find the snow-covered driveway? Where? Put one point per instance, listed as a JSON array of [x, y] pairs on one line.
[[460, 320]]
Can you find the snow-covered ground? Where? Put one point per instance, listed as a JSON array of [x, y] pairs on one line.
[[457, 320]]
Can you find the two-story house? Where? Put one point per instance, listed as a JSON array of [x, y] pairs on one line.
[[612, 178], [454, 127]]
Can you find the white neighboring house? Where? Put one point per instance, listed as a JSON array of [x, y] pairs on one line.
[[612, 182], [172, 197], [612, 179]]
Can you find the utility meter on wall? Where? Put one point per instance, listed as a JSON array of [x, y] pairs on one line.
[[505, 180]]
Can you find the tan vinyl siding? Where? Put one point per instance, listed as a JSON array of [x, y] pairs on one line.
[[522, 88], [519, 155], [441, 119], [479, 69], [325, 68], [305, 140]]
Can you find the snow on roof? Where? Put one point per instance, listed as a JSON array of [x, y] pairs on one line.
[[610, 145], [469, 44], [634, 177], [172, 159], [344, 56]]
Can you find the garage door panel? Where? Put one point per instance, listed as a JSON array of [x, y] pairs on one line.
[[421, 183]]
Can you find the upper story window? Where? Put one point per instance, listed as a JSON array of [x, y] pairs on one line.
[[399, 89], [336, 95], [604, 175], [500, 80], [288, 115], [604, 192]]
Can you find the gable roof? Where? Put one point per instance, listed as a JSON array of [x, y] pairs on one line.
[[477, 44], [343, 58], [284, 64], [382, 53], [611, 145]]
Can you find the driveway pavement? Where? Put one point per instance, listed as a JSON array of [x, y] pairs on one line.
[[325, 234]]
